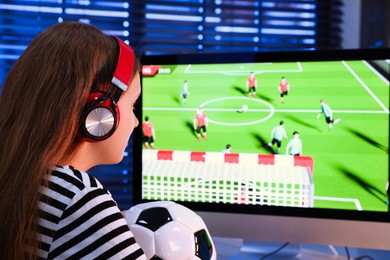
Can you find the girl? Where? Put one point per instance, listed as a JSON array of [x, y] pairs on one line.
[[59, 117]]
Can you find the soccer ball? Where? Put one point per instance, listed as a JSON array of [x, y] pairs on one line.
[[167, 230], [244, 108]]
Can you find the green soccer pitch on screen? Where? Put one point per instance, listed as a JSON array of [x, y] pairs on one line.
[[300, 133]]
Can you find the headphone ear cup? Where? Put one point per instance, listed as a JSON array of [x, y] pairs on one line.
[[100, 118]]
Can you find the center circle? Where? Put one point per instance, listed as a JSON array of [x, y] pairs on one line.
[[271, 109]]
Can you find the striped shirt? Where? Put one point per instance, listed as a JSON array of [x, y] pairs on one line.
[[79, 219]]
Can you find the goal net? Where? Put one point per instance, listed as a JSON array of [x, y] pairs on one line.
[[279, 180]]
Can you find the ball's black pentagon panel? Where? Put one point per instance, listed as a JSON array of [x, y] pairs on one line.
[[154, 218]]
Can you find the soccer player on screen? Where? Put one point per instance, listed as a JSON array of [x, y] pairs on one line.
[[228, 149], [284, 88], [243, 109], [251, 85], [148, 133], [277, 135], [327, 111], [200, 123], [184, 91], [294, 146]]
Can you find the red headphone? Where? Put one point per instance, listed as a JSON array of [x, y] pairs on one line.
[[100, 116]]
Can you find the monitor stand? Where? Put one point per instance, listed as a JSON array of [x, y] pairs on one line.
[[254, 249], [242, 249]]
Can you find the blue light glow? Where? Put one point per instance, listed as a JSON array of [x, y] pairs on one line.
[[236, 29], [290, 23], [169, 8], [83, 2], [29, 8], [288, 31], [87, 21], [89, 12], [172, 17], [302, 6], [309, 41], [13, 47], [212, 19], [9, 57], [289, 14]]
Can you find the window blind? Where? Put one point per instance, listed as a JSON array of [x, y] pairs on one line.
[[21, 21], [172, 26]]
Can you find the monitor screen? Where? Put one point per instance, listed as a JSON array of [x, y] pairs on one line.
[[269, 141]]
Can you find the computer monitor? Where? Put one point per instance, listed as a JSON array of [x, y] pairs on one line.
[[331, 190]]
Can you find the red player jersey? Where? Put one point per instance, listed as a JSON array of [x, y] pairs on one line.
[[252, 81], [201, 119], [283, 86], [147, 129]]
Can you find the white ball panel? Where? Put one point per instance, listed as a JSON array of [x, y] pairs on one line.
[[175, 241], [145, 238], [187, 217], [132, 214]]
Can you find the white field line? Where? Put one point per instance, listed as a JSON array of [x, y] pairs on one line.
[[266, 110], [377, 73], [187, 68], [234, 72], [366, 88], [355, 201], [300, 66]]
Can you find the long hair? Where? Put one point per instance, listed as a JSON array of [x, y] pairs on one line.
[[40, 107]]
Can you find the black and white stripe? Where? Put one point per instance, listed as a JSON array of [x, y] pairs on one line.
[[80, 219]]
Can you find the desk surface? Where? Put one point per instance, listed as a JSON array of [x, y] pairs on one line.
[[236, 249]]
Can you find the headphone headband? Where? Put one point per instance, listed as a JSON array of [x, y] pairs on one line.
[[124, 68], [100, 116]]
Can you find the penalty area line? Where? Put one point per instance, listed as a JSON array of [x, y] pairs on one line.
[[242, 72], [349, 200], [265, 110], [365, 87]]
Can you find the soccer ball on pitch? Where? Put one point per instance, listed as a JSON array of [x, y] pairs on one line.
[[244, 108], [167, 230]]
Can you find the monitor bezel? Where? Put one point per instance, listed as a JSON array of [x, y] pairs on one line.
[[288, 56]]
